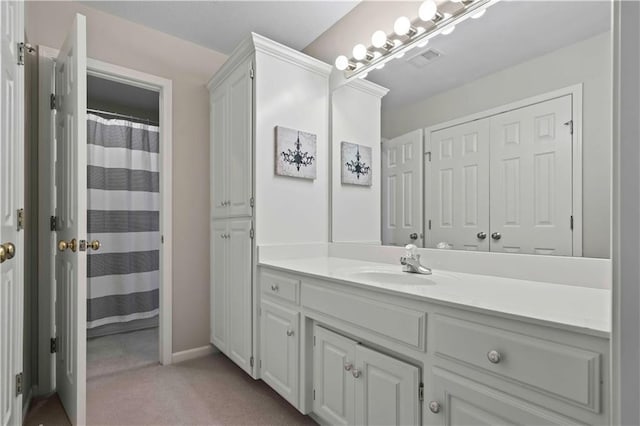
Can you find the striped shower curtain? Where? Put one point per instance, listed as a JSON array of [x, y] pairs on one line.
[[124, 214]]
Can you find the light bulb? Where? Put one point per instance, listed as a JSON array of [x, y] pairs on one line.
[[379, 39], [479, 15], [402, 26], [359, 52], [427, 10], [342, 62], [448, 30]]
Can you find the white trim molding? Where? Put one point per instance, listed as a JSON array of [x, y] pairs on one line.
[[193, 353]]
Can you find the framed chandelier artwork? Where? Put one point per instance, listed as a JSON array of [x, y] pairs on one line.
[[356, 164], [295, 153]]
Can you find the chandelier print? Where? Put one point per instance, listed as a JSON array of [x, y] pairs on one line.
[[295, 153], [356, 164]]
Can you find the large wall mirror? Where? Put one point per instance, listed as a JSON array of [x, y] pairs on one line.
[[497, 137]]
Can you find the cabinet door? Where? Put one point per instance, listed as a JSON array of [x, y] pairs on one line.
[[239, 272], [386, 390], [463, 402], [531, 179], [459, 206], [218, 288], [239, 142], [280, 350], [218, 160], [333, 383]]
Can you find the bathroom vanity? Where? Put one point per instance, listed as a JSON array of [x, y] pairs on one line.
[[357, 342]]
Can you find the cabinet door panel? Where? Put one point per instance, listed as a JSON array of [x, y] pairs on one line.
[[219, 116], [239, 142], [386, 391], [464, 402], [333, 386], [280, 350], [239, 272], [218, 285]]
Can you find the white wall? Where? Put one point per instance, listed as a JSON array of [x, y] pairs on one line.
[[587, 62], [355, 118], [291, 210]]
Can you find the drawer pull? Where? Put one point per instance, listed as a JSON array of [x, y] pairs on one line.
[[434, 407], [494, 357], [348, 366], [356, 373], [289, 332], [274, 287]]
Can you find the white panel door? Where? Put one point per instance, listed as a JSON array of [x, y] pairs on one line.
[[333, 384], [219, 303], [459, 206], [386, 390], [12, 197], [218, 119], [239, 142], [71, 208], [238, 274], [402, 162], [280, 350], [531, 179]]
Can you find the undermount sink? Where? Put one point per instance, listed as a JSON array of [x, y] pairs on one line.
[[388, 275]]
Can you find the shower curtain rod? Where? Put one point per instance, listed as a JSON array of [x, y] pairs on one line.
[[115, 114]]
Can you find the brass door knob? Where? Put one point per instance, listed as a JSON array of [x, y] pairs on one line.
[[94, 245], [64, 245], [7, 251]]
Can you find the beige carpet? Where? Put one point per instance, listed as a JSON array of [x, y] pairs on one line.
[[120, 352], [205, 391]]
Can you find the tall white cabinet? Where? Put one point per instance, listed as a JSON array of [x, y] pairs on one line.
[[246, 104]]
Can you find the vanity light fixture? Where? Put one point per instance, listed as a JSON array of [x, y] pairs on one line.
[[409, 34]]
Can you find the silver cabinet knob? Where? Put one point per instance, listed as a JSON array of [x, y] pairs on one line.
[[481, 235], [274, 287], [348, 366], [496, 236], [413, 236], [356, 373], [434, 407], [494, 356], [289, 332]]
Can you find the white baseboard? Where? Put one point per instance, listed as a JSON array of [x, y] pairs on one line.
[[192, 353]]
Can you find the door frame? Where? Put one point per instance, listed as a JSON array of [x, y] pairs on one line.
[[46, 293], [575, 91]]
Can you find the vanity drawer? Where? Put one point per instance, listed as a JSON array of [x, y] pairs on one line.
[[393, 322], [280, 287], [553, 368]]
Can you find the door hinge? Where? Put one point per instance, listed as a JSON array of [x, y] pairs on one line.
[[251, 361], [252, 233], [428, 154], [260, 364], [161, 239], [251, 201], [53, 223], [429, 224], [314, 340], [421, 392], [571, 221], [23, 49], [18, 384], [251, 73], [570, 124], [54, 345], [314, 394], [20, 226], [52, 101]]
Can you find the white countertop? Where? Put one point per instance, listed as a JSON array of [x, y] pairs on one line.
[[584, 308]]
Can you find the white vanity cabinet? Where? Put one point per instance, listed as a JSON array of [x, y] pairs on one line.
[[353, 384]]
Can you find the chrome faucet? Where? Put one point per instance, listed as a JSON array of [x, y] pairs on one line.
[[411, 262]]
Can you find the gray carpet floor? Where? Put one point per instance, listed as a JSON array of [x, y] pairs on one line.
[[120, 352], [206, 391]]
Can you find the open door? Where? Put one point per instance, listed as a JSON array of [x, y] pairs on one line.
[[71, 211], [11, 199]]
